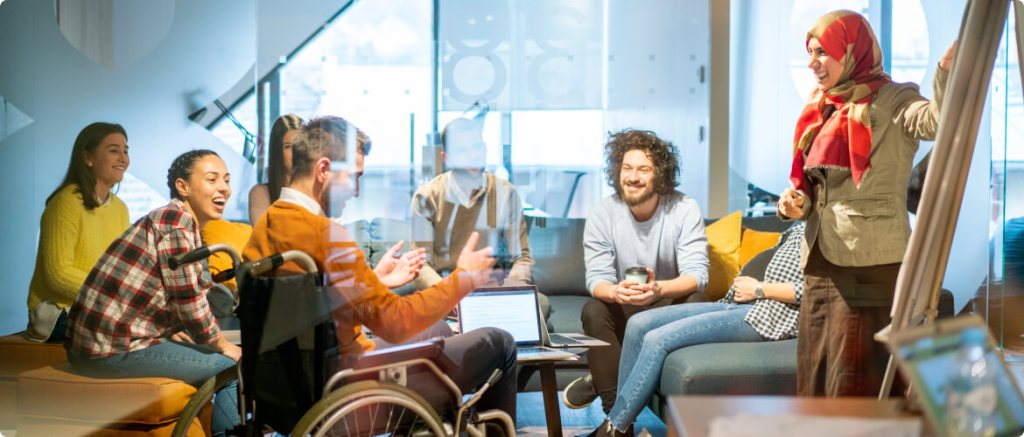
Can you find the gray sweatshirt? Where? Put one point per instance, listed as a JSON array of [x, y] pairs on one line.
[[672, 242]]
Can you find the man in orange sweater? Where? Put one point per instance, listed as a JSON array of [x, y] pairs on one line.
[[297, 221]]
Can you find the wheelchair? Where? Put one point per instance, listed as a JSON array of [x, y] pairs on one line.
[[292, 378]]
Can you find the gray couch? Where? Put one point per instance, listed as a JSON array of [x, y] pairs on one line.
[[733, 368]]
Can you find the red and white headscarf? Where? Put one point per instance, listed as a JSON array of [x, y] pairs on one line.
[[844, 140]]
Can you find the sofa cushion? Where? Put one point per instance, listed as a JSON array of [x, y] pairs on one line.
[[227, 232], [19, 354], [565, 313], [754, 242], [54, 392], [557, 247], [723, 254], [763, 368]]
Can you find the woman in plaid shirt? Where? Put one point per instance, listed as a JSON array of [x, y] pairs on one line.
[[137, 317]]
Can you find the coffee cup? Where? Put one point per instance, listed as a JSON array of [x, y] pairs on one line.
[[637, 274]]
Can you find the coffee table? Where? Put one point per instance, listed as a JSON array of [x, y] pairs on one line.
[[691, 416], [549, 390]]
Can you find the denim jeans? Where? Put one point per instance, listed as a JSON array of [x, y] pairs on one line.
[[185, 362], [651, 335]]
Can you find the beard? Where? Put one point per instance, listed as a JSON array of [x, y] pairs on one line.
[[636, 199]]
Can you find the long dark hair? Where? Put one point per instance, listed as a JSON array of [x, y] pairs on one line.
[[78, 173], [276, 173], [181, 168]]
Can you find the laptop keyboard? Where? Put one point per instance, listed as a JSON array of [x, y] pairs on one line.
[[561, 339]]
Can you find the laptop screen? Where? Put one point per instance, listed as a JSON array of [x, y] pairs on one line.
[[511, 309], [927, 361]]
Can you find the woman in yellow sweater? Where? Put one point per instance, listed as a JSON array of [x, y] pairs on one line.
[[81, 218]]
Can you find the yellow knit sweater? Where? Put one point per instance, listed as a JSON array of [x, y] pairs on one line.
[[71, 239]]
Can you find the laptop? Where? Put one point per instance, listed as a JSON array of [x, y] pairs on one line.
[[926, 353], [515, 310]]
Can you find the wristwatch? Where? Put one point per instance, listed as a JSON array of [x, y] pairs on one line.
[[759, 290]]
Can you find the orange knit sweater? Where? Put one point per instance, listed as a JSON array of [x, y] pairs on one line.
[[357, 295]]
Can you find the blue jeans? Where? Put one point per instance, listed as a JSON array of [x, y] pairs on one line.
[[651, 335], [185, 362]]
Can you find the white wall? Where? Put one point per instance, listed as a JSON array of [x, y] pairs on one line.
[[211, 45], [62, 90], [657, 86]]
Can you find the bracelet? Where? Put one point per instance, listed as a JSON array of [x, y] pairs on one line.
[[759, 290]]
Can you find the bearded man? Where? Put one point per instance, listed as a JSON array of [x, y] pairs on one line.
[[648, 224]]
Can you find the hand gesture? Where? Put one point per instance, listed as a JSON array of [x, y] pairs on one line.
[[181, 337], [232, 351], [946, 63], [477, 263], [396, 271], [624, 292], [227, 348], [791, 204], [743, 289], [646, 293]]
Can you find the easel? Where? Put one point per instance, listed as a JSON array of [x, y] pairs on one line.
[[924, 264]]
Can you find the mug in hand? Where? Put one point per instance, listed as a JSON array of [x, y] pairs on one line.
[[637, 274]]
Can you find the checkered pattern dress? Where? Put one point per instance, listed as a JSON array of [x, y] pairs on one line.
[[772, 319], [132, 299]]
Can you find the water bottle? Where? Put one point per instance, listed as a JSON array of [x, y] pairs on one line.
[[971, 397]]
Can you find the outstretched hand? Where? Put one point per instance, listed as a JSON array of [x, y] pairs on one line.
[[477, 263], [396, 271]]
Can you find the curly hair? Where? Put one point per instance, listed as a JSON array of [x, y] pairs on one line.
[[662, 153]]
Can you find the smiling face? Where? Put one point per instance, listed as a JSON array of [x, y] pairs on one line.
[[636, 177], [108, 161], [827, 70], [207, 189]]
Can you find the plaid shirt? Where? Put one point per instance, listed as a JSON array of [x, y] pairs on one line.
[[772, 319], [132, 300]]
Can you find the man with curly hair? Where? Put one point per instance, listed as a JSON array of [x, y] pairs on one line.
[[646, 223]]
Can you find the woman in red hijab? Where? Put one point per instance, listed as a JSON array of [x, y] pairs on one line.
[[854, 146]]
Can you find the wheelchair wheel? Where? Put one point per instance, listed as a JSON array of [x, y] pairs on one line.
[[372, 408], [202, 398]]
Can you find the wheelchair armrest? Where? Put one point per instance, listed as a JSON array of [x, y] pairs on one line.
[[432, 349]]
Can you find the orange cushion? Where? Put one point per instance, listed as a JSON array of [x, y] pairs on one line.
[[19, 354], [723, 254], [754, 242], [53, 392], [233, 234], [31, 426]]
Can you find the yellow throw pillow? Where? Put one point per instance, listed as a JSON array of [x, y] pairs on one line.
[[723, 254], [233, 234], [755, 242]]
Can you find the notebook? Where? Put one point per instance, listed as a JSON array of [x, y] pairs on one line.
[[926, 353], [515, 310]]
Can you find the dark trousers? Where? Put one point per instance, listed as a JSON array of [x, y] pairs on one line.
[[607, 321], [476, 354], [841, 310]]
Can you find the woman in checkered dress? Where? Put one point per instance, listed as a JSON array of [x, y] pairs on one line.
[[751, 311]]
